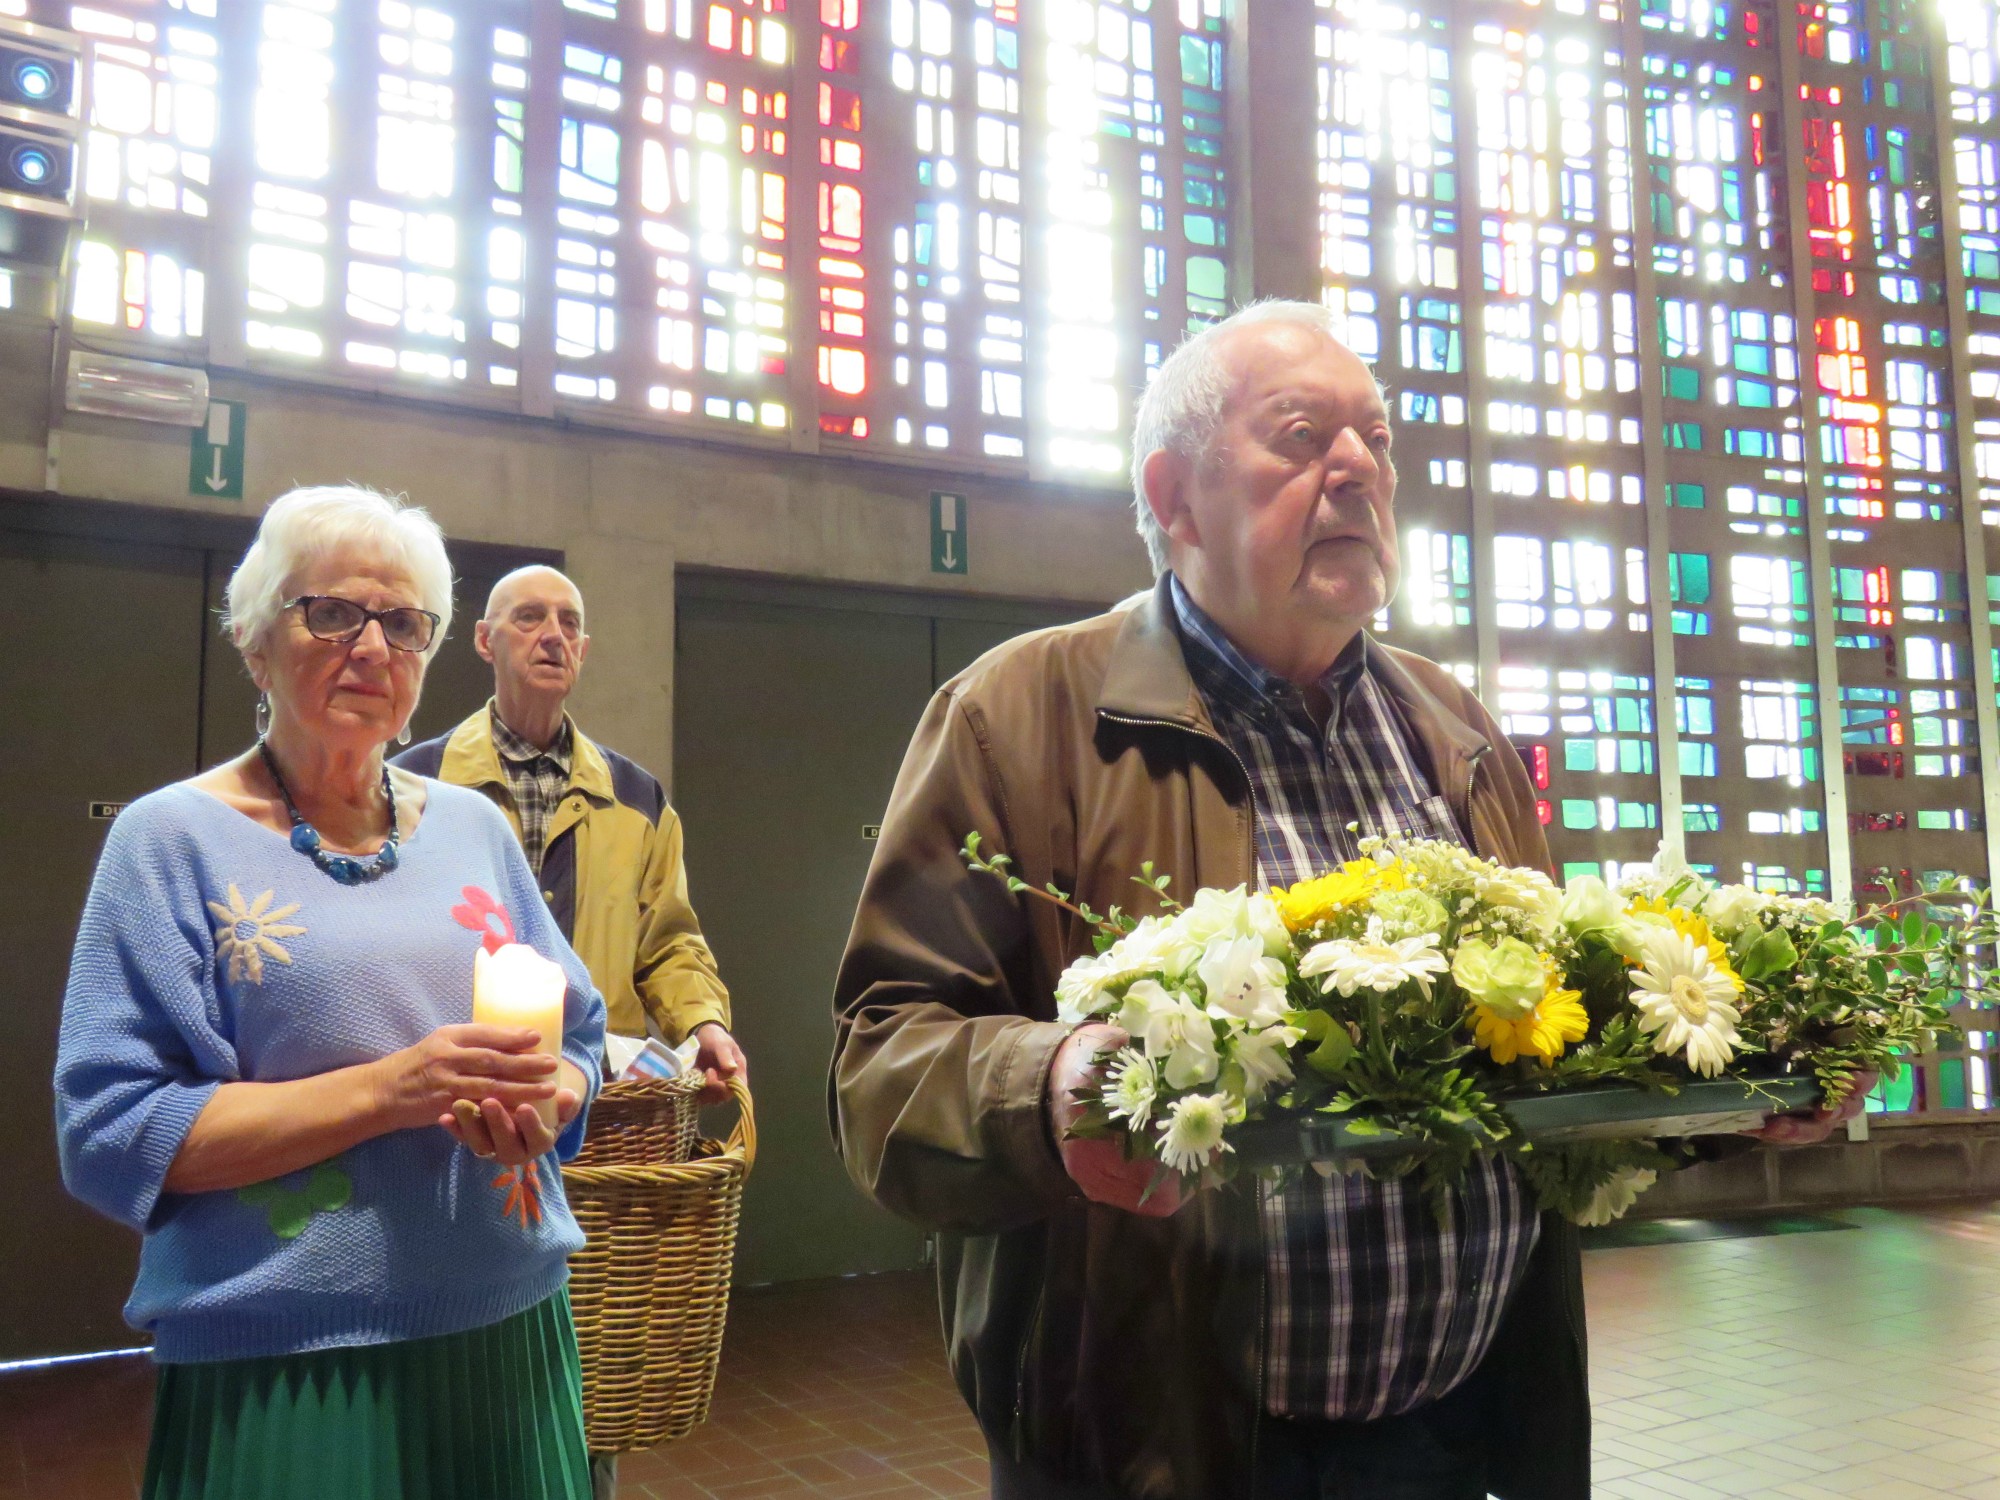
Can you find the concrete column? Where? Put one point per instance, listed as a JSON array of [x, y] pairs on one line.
[[626, 697], [1273, 168]]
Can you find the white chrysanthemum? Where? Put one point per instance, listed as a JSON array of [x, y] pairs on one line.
[[1130, 1086], [1262, 1057], [1374, 963], [1686, 1002], [1243, 984], [1613, 1198], [1181, 1037], [1192, 1131]]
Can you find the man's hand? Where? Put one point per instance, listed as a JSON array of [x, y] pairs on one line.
[[1810, 1130], [1099, 1167], [719, 1057]]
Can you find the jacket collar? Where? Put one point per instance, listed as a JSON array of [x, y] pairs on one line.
[[472, 759], [1148, 679]]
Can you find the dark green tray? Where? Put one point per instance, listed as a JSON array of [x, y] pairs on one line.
[[1717, 1106]]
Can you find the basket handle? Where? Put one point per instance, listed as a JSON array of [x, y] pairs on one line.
[[744, 1137]]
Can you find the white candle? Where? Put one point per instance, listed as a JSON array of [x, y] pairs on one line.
[[516, 986]]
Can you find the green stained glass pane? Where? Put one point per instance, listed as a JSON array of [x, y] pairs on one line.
[[1683, 383], [1897, 1096], [1688, 577], [1194, 62], [1580, 755], [1206, 277], [1951, 1083], [1637, 815], [1579, 812]]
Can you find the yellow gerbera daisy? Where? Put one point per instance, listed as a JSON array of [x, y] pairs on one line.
[[1324, 897], [1557, 1020], [1689, 924]]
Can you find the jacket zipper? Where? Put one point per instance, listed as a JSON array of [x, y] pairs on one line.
[[1187, 729], [1472, 775]]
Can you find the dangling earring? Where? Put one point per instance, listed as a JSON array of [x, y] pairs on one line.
[[263, 715], [403, 734]]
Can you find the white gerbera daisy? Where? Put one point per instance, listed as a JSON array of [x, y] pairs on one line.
[[1374, 963], [1613, 1198], [1687, 1001], [1192, 1131], [1130, 1086]]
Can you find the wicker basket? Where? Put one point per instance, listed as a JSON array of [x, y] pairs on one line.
[[650, 1287], [646, 1122]]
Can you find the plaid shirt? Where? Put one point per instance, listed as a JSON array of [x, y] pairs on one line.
[[1373, 1305], [536, 779]]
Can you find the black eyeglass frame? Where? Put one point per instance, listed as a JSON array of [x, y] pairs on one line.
[[304, 602]]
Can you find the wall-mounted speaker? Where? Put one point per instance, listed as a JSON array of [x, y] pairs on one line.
[[37, 77], [35, 165], [40, 105]]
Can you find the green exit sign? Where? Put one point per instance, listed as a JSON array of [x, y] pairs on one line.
[[947, 532], [215, 452]]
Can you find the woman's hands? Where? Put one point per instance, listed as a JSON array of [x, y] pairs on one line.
[[420, 1085], [490, 1131]]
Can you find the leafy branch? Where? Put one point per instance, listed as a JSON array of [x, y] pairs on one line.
[[1110, 925]]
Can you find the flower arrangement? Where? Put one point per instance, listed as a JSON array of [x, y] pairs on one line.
[[1418, 988]]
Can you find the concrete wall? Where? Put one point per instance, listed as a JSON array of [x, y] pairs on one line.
[[1896, 1163], [626, 510]]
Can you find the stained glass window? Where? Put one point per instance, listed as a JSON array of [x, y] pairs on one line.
[[1660, 292], [1688, 312], [847, 225], [986, 286], [149, 170]]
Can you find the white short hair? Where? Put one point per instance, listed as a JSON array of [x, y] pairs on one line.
[[1181, 409], [309, 524]]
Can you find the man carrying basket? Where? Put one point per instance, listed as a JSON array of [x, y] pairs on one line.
[[597, 831]]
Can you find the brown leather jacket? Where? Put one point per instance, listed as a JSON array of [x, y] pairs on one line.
[[1105, 1347]]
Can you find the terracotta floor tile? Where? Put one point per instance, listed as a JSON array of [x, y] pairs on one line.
[[1783, 1367]]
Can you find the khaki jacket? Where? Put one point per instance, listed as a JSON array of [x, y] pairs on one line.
[[1104, 1347], [612, 874]]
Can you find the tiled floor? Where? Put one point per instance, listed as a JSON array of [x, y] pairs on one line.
[[1864, 1363]]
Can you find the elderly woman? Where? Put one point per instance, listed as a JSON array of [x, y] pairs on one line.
[[355, 1239]]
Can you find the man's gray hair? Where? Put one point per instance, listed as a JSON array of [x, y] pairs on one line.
[[306, 525], [1181, 409]]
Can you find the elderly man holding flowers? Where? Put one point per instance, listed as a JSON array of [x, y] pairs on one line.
[[1116, 1333]]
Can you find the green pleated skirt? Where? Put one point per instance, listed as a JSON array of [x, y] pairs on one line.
[[493, 1414]]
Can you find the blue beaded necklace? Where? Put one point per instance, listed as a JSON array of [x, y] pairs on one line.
[[348, 869]]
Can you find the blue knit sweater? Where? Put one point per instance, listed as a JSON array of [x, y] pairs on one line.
[[210, 952]]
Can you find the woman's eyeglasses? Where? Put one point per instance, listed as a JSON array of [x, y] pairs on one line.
[[341, 621]]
